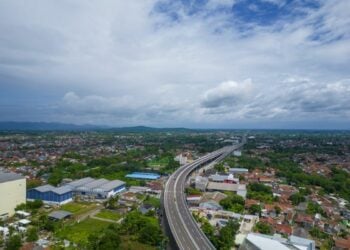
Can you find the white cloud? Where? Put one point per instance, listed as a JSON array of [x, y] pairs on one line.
[[227, 94], [124, 60]]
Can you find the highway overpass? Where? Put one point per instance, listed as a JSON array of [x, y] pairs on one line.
[[183, 227]]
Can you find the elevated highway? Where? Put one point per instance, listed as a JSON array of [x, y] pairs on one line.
[[183, 227]]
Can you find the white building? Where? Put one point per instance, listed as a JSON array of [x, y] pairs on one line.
[[12, 192], [181, 159], [255, 241]]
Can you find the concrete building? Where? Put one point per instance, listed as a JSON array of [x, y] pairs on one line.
[[12, 193], [201, 183], [239, 189], [182, 159], [223, 178]]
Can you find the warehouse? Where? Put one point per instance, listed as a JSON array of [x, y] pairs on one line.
[[12, 192], [84, 188], [50, 194], [97, 189]]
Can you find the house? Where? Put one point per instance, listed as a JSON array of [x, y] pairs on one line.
[[210, 205], [283, 229], [304, 220], [145, 208], [128, 199], [215, 196], [193, 200], [342, 244]]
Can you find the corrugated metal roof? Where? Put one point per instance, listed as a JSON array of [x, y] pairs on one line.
[[94, 184], [111, 185], [45, 188], [60, 214], [81, 182], [5, 177], [62, 190]]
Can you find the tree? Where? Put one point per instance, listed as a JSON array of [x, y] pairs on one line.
[[278, 210], [314, 208], [296, 198], [32, 234], [13, 243], [108, 239], [255, 209], [233, 203], [227, 235], [263, 228], [150, 234]]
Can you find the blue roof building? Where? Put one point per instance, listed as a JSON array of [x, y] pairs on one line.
[[145, 176], [50, 194]]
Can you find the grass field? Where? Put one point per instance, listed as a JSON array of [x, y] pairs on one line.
[[132, 244], [79, 232], [78, 208], [158, 163], [110, 215]]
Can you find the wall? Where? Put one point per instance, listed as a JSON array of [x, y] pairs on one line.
[[12, 193]]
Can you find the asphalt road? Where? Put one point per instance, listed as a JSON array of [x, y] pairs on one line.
[[183, 227]]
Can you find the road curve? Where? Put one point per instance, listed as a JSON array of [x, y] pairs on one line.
[[182, 225]]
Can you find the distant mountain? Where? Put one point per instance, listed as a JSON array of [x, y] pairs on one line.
[[44, 126], [52, 126], [146, 129]]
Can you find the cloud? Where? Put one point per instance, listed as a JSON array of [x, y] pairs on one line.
[[165, 62], [227, 94]]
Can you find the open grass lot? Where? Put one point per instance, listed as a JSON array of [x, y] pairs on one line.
[[108, 214], [78, 208], [79, 232], [132, 244], [158, 163]]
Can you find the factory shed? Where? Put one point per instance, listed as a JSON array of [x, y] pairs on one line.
[[50, 194], [59, 215]]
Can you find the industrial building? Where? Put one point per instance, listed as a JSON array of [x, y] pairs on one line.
[[12, 193], [84, 188], [50, 194], [145, 176]]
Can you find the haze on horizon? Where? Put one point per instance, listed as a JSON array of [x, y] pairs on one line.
[[177, 63]]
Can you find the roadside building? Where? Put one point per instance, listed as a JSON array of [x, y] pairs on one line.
[[220, 178], [201, 183], [12, 193], [239, 189]]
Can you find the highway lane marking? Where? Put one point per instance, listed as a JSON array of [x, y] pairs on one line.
[[181, 200]]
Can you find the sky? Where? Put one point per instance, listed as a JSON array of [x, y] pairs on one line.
[[177, 63]]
